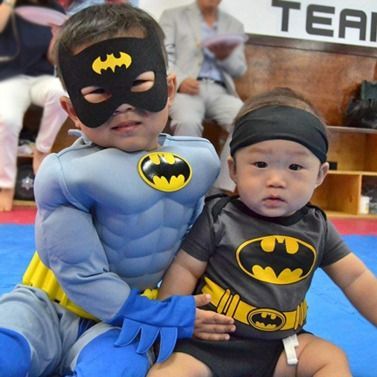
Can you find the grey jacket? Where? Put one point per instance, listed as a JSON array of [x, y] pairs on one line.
[[182, 28]]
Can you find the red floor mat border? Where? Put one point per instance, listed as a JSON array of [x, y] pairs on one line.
[[362, 226]]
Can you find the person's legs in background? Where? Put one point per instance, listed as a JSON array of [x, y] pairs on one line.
[[14, 101], [46, 92]]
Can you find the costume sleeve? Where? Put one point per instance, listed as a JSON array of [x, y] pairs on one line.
[[335, 247]]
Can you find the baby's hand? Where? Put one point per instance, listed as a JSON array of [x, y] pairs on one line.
[[210, 325]]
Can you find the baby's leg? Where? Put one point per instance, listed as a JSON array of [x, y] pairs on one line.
[[316, 358], [182, 365]]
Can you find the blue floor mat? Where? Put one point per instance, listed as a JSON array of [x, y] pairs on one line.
[[330, 316], [16, 250]]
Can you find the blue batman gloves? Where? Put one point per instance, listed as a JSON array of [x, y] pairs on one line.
[[147, 319]]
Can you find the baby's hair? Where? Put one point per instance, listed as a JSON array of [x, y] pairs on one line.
[[99, 22], [280, 96]]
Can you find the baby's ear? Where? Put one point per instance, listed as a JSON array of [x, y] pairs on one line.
[[323, 170], [66, 104], [232, 169]]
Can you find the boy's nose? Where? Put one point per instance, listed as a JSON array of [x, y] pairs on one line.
[[124, 107]]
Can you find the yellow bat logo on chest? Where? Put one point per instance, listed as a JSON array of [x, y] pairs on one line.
[[111, 62], [165, 171]]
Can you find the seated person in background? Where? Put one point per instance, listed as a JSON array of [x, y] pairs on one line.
[[256, 254], [204, 74], [112, 211], [26, 77]]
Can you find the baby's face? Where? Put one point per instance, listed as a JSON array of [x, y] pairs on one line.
[[276, 177]]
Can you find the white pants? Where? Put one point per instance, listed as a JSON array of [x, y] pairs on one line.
[[213, 102], [16, 95]]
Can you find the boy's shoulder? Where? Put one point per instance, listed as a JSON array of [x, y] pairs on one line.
[[188, 142], [200, 141]]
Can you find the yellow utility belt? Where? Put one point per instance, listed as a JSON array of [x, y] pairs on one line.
[[38, 275], [263, 319]]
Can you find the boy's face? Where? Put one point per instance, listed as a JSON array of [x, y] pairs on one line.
[[119, 91], [276, 177], [129, 128]]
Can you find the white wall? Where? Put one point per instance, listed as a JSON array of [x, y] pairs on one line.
[[261, 17]]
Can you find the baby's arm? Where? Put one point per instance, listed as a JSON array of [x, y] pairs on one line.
[[181, 279], [182, 276], [358, 283]]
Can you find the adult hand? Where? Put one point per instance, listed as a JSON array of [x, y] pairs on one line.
[[210, 325], [222, 50], [189, 86]]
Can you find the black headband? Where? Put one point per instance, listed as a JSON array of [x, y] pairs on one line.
[[281, 122]]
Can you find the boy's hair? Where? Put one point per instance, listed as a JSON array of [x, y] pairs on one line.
[[100, 22], [280, 114]]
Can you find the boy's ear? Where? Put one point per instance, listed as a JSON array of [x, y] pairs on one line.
[[323, 170], [172, 87], [66, 104]]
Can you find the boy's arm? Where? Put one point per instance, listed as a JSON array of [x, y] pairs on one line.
[[358, 283], [181, 279]]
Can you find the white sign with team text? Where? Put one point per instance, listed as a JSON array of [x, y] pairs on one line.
[[352, 22]]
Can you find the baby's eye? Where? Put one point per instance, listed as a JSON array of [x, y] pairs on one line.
[[95, 94], [260, 164], [143, 82], [295, 167]]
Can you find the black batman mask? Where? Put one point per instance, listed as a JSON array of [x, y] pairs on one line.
[[114, 65]]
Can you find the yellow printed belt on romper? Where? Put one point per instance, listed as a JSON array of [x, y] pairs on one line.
[[263, 319], [38, 275]]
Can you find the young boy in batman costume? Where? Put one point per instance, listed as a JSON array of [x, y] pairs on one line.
[[112, 211], [256, 253]]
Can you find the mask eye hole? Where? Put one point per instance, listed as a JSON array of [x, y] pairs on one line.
[[95, 94], [143, 82]]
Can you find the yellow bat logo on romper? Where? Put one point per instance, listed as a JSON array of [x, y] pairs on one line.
[[111, 62]]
